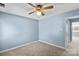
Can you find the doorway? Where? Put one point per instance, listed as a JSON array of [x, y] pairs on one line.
[[74, 33]]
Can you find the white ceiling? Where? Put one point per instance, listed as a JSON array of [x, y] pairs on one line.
[[23, 9]]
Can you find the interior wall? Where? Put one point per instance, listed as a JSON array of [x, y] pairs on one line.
[[16, 30], [0, 33], [69, 23], [51, 30], [71, 13]]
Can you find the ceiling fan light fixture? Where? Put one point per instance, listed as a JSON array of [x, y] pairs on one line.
[[39, 9], [38, 13]]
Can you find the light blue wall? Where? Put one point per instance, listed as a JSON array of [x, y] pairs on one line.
[[0, 33], [52, 29], [71, 13], [17, 30], [74, 20]]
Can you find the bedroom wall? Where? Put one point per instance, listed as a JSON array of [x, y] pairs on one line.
[[71, 13], [0, 33], [52, 29], [16, 30], [69, 24]]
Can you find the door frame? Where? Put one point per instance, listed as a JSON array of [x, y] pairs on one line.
[[68, 39]]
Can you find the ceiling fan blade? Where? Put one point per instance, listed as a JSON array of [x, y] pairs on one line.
[[31, 4], [2, 5], [48, 7], [31, 12]]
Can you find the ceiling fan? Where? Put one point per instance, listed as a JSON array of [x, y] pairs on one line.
[[2, 5], [39, 9]]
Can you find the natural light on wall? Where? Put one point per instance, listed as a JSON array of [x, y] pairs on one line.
[[8, 30]]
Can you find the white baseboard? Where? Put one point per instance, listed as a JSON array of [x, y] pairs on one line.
[[52, 44], [17, 47]]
